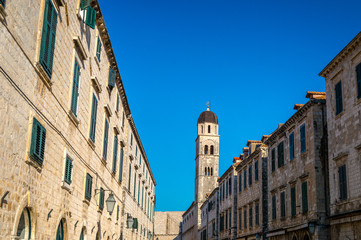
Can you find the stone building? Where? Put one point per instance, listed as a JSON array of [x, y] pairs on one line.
[[297, 174], [343, 88], [207, 161], [250, 191], [210, 212], [166, 225], [69, 145]]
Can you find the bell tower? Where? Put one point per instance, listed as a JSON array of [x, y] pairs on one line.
[[207, 155]]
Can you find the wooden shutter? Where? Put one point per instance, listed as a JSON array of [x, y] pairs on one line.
[[111, 79], [101, 199], [84, 4], [273, 160], [283, 207], [88, 186], [250, 217], [75, 91], [48, 37], [343, 182], [257, 214], [91, 15], [105, 142], [274, 216], [117, 212], [304, 198], [37, 146], [358, 76], [240, 182], [68, 168], [292, 146], [250, 175], [93, 118], [99, 49], [121, 164], [115, 152], [244, 179], [280, 153], [293, 201], [303, 138], [256, 171], [338, 91]]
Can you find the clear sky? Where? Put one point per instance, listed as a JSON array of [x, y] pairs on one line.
[[253, 60]]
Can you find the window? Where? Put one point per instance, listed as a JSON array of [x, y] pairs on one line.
[[2, 2], [130, 176], [280, 155], [206, 149], [75, 90], [142, 195], [131, 139], [292, 146], [303, 138], [221, 225], [101, 199], [89, 14], [135, 182], [212, 150], [138, 191], [121, 164], [226, 217], [273, 160], [93, 119], [117, 105], [274, 216], [48, 38], [60, 231], [111, 79], [211, 171], [37, 146], [240, 220], [230, 219], [358, 74], [115, 152], [338, 93], [230, 185], [68, 168], [205, 171], [105, 141], [99, 49], [24, 226], [245, 219], [226, 182], [245, 179], [82, 234], [209, 129], [257, 214], [304, 198], [250, 217], [256, 171], [123, 120], [283, 205], [250, 175], [88, 186], [293, 201], [342, 182]]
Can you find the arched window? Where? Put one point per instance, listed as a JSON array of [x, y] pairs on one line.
[[202, 128], [211, 171], [212, 150], [82, 234], [60, 231], [24, 226], [209, 128], [205, 171], [206, 149], [97, 236]]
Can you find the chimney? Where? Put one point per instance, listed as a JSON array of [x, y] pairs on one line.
[[316, 95], [245, 151], [298, 106]]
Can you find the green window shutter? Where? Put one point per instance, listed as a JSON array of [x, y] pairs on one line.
[[245, 218], [123, 119], [138, 191], [273, 160], [111, 78], [342, 182], [304, 198], [91, 16], [358, 76], [280, 154], [130, 176], [338, 91], [121, 164], [99, 49], [37, 146], [257, 214], [101, 199], [292, 146], [250, 217], [88, 186], [48, 37], [115, 152], [93, 118], [117, 107], [229, 185], [135, 223], [274, 213], [135, 183], [105, 142], [75, 91], [283, 206], [117, 212], [84, 4], [68, 168], [142, 195], [303, 138], [293, 201]]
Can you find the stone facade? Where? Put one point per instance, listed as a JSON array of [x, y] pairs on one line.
[[167, 225], [210, 212], [39, 203], [344, 138]]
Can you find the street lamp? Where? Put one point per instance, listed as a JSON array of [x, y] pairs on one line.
[[130, 221], [258, 237], [110, 203], [312, 227]]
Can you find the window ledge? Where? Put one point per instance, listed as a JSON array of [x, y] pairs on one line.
[[33, 163], [73, 118], [104, 161], [96, 84], [87, 201], [116, 130], [79, 46], [97, 61], [3, 13], [340, 114], [66, 186], [358, 101], [43, 75], [107, 110], [91, 143], [122, 143]]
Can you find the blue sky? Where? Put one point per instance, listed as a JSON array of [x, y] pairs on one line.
[[253, 60]]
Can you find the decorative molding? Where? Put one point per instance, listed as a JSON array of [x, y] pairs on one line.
[[107, 110], [79, 46], [96, 84]]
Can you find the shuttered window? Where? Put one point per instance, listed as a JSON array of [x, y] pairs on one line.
[[37, 146], [117, 105], [250, 217], [68, 168], [117, 212], [280, 154], [75, 90], [245, 219], [283, 205], [101, 199], [292, 146], [99, 48], [111, 78], [256, 171], [274, 215], [257, 214], [93, 119], [304, 197], [338, 92], [244, 179], [91, 15], [303, 138], [135, 183], [293, 201], [48, 37], [138, 191], [123, 119], [230, 185], [115, 153], [273, 160], [105, 141], [121, 164], [250, 175], [342, 182], [240, 182], [130, 176], [240, 220], [358, 77], [88, 186]]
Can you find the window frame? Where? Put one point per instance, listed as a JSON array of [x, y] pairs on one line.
[[338, 98]]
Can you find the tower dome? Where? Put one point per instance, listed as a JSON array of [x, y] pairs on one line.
[[208, 116]]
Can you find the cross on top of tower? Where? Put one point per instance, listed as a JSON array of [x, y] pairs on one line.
[[207, 106]]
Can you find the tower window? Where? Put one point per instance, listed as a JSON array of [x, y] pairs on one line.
[[209, 128], [206, 149], [205, 171], [212, 150], [211, 171], [202, 128], [208, 173]]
